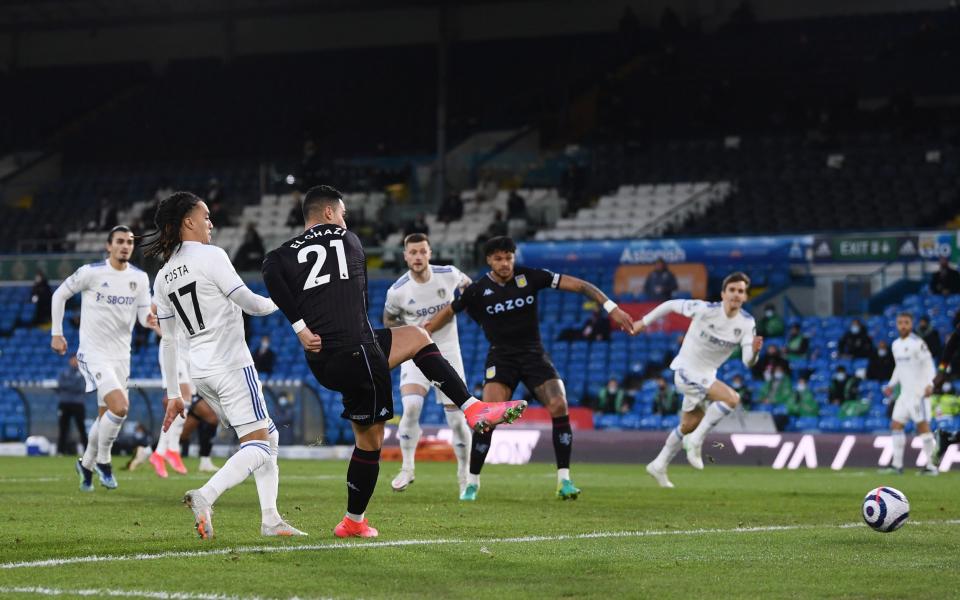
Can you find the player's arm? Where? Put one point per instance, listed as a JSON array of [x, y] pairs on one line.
[[894, 380], [280, 292], [750, 348], [167, 319], [228, 281], [146, 312], [58, 304], [392, 311], [928, 367], [946, 358], [569, 283], [687, 308]]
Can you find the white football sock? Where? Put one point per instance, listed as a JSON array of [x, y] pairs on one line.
[[206, 463], [899, 443], [90, 452], [161, 443], [670, 448], [173, 434], [461, 440], [238, 467], [473, 479], [268, 482], [715, 413], [110, 425], [929, 448], [468, 403], [562, 474], [409, 429]]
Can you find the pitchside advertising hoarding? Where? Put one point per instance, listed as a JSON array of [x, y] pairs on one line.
[[779, 451]]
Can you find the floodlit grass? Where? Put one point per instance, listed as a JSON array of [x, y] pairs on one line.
[[726, 532]]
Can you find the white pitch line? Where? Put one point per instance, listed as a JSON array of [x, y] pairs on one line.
[[45, 591], [56, 562]]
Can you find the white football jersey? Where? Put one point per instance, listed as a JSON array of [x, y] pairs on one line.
[[915, 369], [712, 336], [110, 300], [416, 303], [195, 286]]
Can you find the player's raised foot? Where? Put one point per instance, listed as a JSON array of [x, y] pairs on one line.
[[105, 473], [207, 466], [86, 477], [282, 529], [660, 474], [402, 480], [890, 471], [202, 513], [350, 528], [481, 416], [469, 493], [567, 491], [694, 456], [159, 467], [175, 461]]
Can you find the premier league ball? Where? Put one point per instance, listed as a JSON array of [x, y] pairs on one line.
[[886, 509]]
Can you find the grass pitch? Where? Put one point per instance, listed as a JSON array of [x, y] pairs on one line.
[[736, 532]]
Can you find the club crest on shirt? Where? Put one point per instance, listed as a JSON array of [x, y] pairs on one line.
[[491, 372], [442, 293], [737, 332], [521, 281], [133, 286]]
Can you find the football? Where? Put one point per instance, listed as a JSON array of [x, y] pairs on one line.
[[885, 509]]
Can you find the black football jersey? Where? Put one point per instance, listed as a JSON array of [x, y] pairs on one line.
[[320, 276], [507, 312]]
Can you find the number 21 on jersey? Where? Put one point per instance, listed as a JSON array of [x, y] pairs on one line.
[[314, 278]]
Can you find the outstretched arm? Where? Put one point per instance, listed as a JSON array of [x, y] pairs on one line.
[[664, 309], [575, 284]]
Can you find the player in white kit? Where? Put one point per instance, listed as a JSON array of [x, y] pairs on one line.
[[114, 294], [200, 295], [914, 372], [716, 330], [415, 299]]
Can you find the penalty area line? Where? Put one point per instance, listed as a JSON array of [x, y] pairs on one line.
[[57, 562]]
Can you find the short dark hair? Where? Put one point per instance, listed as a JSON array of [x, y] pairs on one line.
[[117, 229], [415, 238], [735, 277], [500, 243], [906, 314], [319, 197]]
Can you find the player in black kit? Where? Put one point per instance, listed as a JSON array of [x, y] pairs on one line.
[[504, 303], [319, 281]]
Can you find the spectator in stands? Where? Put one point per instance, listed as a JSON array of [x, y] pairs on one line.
[[740, 387], [843, 387], [798, 345], [881, 364], [49, 239], [264, 358], [418, 225], [295, 218], [931, 336], [769, 362], [71, 387], [249, 256], [516, 207], [660, 283], [801, 402], [667, 401], [284, 415], [855, 343], [777, 387], [946, 404], [611, 399], [41, 296], [854, 405], [487, 187], [946, 280], [451, 209], [770, 324], [595, 329]]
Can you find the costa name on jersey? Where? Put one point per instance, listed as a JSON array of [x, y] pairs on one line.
[[416, 303], [508, 312]]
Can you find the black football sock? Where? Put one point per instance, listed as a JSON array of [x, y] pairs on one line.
[[361, 479], [206, 434], [441, 374], [478, 450], [562, 441]]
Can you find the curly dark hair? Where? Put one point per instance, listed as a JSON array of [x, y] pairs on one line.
[[170, 214]]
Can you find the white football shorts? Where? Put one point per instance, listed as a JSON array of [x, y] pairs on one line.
[[237, 398]]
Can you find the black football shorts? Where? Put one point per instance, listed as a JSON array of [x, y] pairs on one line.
[[510, 366]]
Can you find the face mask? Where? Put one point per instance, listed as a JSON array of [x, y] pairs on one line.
[[767, 376], [840, 376], [854, 329], [769, 313], [778, 374], [882, 352], [737, 384], [801, 386], [947, 388]]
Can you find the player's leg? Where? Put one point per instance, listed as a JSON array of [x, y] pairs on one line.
[[690, 417], [922, 419], [88, 461], [460, 430], [204, 420], [552, 395], [413, 389], [160, 448], [79, 415], [63, 428], [898, 439], [724, 401], [411, 342], [362, 476]]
